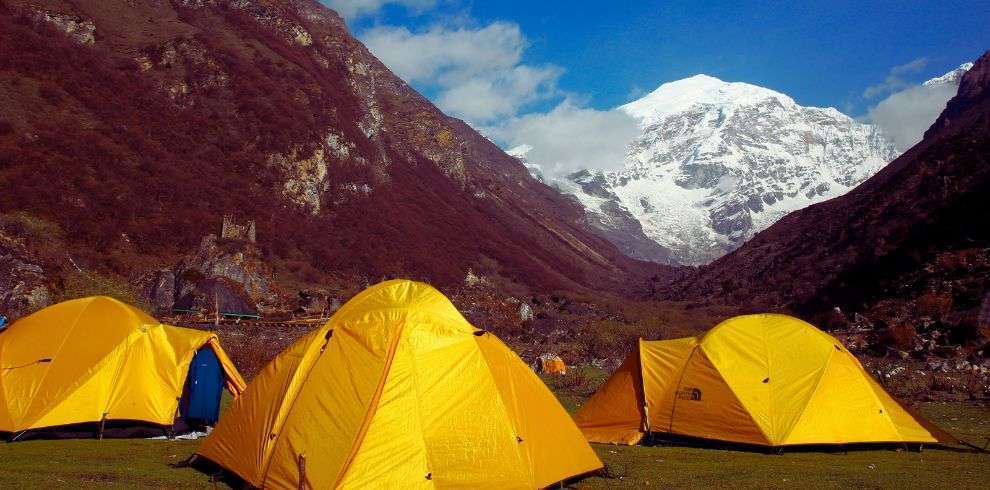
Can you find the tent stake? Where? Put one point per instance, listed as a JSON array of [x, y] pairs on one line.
[[302, 471]]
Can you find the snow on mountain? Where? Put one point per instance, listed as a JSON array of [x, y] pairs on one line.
[[951, 78], [519, 153], [718, 162]]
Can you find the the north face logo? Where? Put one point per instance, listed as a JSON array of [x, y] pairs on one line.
[[693, 394]]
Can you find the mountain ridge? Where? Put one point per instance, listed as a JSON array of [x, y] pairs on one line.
[[719, 161], [905, 236], [189, 110]]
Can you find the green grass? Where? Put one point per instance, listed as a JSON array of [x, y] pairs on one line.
[[686, 467], [127, 463], [130, 463]]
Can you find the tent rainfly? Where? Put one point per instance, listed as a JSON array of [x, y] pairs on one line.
[[769, 380], [398, 390], [94, 360]]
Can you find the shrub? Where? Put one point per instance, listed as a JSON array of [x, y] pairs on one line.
[[899, 335], [934, 304], [80, 284], [192, 275]]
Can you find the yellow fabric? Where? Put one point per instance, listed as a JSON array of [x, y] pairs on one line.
[[614, 415], [551, 443], [93, 358], [398, 391], [662, 367], [704, 405], [757, 379]]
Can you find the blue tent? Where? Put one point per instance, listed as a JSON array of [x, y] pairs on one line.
[[204, 386]]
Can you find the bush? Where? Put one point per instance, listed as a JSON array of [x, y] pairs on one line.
[[613, 339], [81, 284], [899, 335], [31, 226], [192, 275], [935, 305]]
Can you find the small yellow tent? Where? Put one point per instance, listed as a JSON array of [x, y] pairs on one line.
[[398, 390], [94, 359], [550, 364], [769, 380]]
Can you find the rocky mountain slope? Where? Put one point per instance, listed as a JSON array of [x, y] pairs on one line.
[[909, 249], [128, 129], [716, 163]]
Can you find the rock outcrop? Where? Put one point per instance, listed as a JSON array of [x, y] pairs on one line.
[[231, 275], [23, 285]]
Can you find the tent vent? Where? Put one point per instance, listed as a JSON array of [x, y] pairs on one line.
[[479, 333], [326, 340], [39, 361], [766, 380], [838, 348]]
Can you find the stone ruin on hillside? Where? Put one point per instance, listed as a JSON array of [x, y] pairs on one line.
[[233, 231]]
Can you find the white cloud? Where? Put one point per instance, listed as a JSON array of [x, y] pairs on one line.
[[477, 73], [905, 115], [351, 9], [570, 138], [895, 78]]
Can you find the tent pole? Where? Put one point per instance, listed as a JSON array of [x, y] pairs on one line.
[[103, 421]]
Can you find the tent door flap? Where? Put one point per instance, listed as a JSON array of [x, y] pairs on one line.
[[204, 387]]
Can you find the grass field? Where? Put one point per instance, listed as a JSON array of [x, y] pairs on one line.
[[128, 463]]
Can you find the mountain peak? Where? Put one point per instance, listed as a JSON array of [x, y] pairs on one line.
[[719, 161], [885, 245], [680, 95], [952, 77]]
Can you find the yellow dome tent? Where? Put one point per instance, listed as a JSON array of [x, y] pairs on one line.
[[398, 390], [769, 380], [550, 364], [95, 360]]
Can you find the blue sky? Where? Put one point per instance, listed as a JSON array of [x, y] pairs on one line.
[[548, 74], [820, 53]]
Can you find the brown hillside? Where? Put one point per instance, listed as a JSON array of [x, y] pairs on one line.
[[133, 127]]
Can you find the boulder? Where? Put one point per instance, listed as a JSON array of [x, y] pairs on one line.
[[316, 302], [525, 312], [215, 294], [238, 261], [23, 288]]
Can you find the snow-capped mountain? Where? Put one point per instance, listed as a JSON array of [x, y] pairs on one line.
[[951, 78], [718, 162]]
